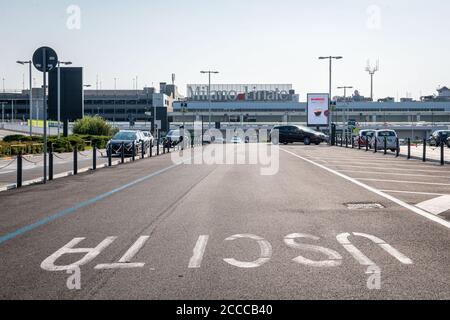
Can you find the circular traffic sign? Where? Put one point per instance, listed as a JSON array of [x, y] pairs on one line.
[[51, 59]]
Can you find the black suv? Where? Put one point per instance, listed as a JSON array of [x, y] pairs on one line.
[[291, 134]]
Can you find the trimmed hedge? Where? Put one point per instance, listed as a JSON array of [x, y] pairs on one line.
[[11, 145]]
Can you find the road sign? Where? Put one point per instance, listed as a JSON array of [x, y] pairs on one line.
[[51, 59]]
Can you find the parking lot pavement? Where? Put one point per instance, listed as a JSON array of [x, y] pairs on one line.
[[425, 186], [432, 153], [159, 229]]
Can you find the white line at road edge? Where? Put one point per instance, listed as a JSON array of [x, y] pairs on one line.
[[378, 192]]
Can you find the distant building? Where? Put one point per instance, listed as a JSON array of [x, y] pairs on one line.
[[443, 95]]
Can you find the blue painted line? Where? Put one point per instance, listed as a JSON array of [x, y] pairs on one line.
[[83, 204]]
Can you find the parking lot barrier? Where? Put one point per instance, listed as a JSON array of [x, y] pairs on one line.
[[397, 148], [133, 151], [375, 145], [442, 154], [385, 145], [157, 149], [50, 163], [424, 159], [109, 155], [366, 141], [346, 141], [75, 160], [143, 150], [151, 150], [94, 158], [19, 169], [409, 148], [122, 153]]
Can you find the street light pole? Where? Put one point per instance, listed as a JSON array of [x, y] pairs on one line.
[[330, 58], [209, 93], [30, 63]]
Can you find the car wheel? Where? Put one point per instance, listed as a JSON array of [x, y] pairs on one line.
[[307, 141], [317, 143]]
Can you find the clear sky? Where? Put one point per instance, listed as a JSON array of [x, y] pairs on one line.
[[248, 41]]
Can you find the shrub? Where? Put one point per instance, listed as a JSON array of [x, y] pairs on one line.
[[96, 126]]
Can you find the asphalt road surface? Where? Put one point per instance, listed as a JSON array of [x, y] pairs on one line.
[[331, 223]]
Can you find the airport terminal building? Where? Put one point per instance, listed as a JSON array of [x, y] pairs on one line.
[[264, 105]]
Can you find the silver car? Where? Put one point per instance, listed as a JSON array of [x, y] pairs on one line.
[[380, 136]]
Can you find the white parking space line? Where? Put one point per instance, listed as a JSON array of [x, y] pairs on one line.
[[406, 182], [414, 192], [384, 168], [437, 205], [378, 164], [405, 205], [395, 174], [5, 172]]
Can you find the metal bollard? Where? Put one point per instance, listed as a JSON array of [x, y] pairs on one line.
[[367, 143], [133, 151], [122, 153], [19, 169], [346, 141], [424, 159], [375, 145], [94, 158], [50, 163], [385, 145], [109, 155], [442, 154], [75, 160], [359, 143], [397, 151], [409, 148], [143, 150], [157, 149], [342, 140]]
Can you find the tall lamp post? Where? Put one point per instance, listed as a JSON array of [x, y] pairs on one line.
[[59, 93], [209, 92], [330, 58], [30, 63]]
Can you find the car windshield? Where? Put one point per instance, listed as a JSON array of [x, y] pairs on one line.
[[173, 133], [125, 136], [386, 134], [367, 133]]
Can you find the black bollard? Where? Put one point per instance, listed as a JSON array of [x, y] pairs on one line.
[[94, 158], [19, 169], [75, 160], [50, 163], [385, 145], [424, 159], [122, 153], [143, 150], [109, 154], [133, 151], [442, 154], [409, 148]]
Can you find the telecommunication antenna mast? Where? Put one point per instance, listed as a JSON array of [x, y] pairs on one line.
[[372, 70]]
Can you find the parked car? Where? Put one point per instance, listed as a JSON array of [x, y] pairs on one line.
[[363, 137], [438, 137], [292, 134], [149, 139], [127, 138], [380, 136], [174, 137]]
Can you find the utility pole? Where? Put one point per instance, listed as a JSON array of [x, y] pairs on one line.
[[30, 63], [372, 71]]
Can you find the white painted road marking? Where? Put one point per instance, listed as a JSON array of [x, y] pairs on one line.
[[414, 209], [406, 182], [124, 262], [334, 258], [437, 205], [413, 192], [396, 174], [266, 252], [91, 253], [198, 252]]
